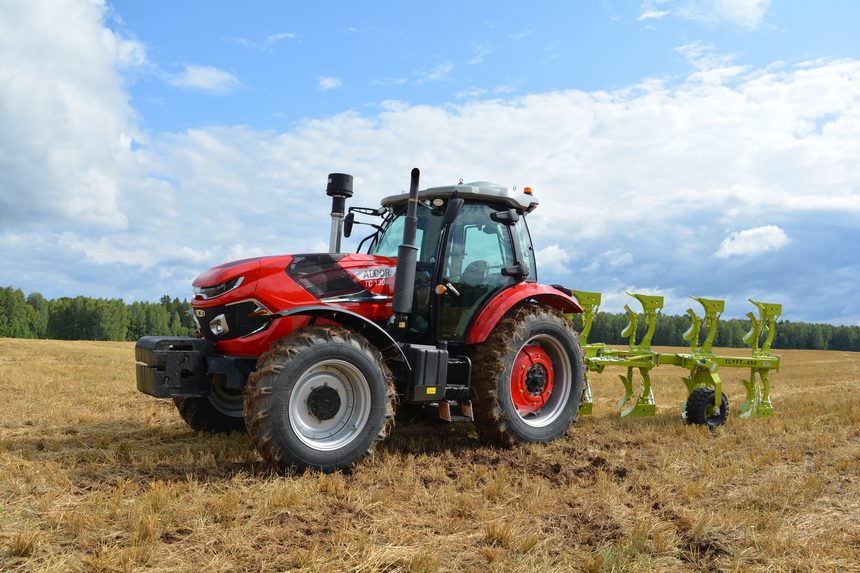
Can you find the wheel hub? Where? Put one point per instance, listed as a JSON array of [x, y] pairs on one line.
[[324, 403], [532, 379], [536, 379]]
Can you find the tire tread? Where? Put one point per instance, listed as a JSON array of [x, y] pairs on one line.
[[259, 417]]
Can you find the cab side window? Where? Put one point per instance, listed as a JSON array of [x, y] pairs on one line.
[[527, 249], [478, 249]]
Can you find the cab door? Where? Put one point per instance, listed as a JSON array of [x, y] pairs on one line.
[[477, 250]]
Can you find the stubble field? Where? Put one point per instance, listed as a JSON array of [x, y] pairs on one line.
[[95, 476]]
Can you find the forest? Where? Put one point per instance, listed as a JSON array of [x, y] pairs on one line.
[[85, 318]]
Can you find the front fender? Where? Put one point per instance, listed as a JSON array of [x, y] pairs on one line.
[[348, 319], [496, 308]]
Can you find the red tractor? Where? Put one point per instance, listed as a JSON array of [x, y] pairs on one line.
[[310, 352]]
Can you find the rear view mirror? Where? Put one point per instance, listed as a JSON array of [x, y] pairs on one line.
[[453, 209], [348, 222]]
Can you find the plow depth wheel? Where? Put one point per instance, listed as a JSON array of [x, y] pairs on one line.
[[319, 399], [701, 409], [527, 377]]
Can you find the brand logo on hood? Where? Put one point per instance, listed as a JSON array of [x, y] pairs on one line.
[[374, 273]]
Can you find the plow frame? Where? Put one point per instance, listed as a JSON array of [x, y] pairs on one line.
[[701, 362]]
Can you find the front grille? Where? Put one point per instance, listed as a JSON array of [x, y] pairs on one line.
[[241, 319]]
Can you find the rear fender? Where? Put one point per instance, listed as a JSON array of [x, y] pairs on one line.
[[496, 308]]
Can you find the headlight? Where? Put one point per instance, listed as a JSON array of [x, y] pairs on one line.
[[218, 326], [218, 290], [232, 320]]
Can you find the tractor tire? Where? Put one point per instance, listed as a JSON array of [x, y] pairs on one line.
[[220, 412], [527, 377], [319, 399], [701, 410]]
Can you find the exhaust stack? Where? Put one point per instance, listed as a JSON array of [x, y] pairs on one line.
[[404, 283], [339, 188]]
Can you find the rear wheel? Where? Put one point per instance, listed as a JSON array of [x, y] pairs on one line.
[[527, 377], [701, 409], [319, 399], [221, 411]]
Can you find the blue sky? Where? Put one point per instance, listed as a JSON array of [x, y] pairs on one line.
[[285, 61], [704, 147]]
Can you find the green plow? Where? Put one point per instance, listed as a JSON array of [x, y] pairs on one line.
[[705, 404]]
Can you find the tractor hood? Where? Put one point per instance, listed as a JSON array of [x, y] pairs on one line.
[[232, 300], [227, 277], [329, 278]]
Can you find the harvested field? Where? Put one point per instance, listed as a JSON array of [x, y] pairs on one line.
[[95, 476]]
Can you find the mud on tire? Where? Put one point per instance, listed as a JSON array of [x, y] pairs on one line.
[[319, 399], [527, 377]]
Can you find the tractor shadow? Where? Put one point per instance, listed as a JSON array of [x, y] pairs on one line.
[[111, 449], [137, 450]]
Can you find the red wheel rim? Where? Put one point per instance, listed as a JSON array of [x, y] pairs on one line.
[[532, 379]]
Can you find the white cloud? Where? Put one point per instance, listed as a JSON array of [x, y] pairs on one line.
[[471, 92], [746, 14], [554, 258], [394, 105], [249, 44], [205, 78], [617, 258], [481, 49], [389, 82], [636, 185], [369, 30], [268, 43], [439, 73], [752, 241], [641, 182], [271, 40], [66, 122], [713, 68], [523, 35], [652, 14], [328, 83]]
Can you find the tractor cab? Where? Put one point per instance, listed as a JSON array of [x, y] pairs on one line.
[[472, 242]]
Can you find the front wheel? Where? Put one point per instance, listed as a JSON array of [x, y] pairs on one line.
[[701, 409], [319, 399], [527, 377]]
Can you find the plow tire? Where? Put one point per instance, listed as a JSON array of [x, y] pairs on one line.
[[220, 412], [701, 410], [504, 410], [320, 399]]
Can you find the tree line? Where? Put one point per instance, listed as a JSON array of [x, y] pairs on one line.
[[85, 318], [669, 331]]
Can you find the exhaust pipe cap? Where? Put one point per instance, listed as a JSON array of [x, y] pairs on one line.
[[339, 185]]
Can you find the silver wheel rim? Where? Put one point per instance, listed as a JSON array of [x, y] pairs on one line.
[[228, 402], [346, 424], [563, 375]]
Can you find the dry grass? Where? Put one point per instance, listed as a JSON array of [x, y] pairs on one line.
[[95, 476]]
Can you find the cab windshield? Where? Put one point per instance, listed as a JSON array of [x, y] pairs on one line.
[[426, 235]]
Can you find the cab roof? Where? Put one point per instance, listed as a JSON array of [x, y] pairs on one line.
[[479, 190]]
